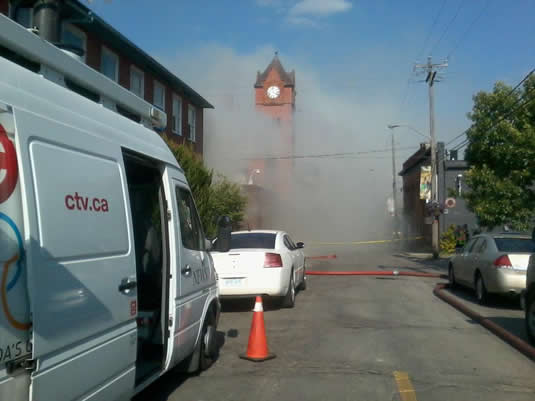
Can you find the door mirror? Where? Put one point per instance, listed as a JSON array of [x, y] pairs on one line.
[[300, 245], [207, 245], [224, 229]]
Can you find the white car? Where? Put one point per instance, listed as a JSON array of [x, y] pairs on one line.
[[261, 262]]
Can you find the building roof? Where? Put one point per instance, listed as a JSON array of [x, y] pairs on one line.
[[287, 77], [94, 24], [416, 159]]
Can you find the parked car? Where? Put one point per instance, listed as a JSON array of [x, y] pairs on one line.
[[492, 263], [261, 262], [528, 300]]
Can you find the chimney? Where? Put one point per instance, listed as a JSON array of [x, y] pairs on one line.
[[46, 17]]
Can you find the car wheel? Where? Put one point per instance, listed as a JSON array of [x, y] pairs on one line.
[[288, 301], [451, 276], [530, 317], [208, 346], [303, 285], [481, 290]]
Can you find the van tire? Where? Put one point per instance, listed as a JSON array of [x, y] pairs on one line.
[[530, 316], [288, 301], [201, 358]]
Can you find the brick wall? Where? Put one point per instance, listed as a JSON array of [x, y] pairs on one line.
[[4, 6], [124, 72]]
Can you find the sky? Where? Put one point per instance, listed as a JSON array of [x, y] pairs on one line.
[[354, 64]]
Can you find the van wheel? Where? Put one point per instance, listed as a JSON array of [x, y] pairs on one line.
[[205, 352], [208, 343], [288, 301], [530, 317]]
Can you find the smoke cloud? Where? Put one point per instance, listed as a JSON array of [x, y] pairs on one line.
[[334, 198]]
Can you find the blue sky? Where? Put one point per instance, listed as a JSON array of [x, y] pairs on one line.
[[355, 51]]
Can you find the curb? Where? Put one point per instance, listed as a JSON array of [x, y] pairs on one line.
[[497, 330]]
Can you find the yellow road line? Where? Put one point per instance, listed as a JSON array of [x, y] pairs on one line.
[[405, 389], [364, 242]]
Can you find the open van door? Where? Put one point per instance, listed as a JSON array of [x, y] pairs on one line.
[[80, 261]]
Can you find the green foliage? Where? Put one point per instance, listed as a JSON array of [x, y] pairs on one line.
[[501, 154], [213, 198], [448, 240]]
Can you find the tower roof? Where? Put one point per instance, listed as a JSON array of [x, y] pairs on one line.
[[287, 77]]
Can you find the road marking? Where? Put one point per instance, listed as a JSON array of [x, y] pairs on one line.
[[405, 389], [383, 241]]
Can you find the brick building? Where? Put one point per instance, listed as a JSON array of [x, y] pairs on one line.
[[451, 183], [108, 51]]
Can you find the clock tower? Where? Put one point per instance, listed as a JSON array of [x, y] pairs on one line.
[[275, 97]]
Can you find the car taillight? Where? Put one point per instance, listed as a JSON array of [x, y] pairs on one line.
[[503, 262], [272, 260]]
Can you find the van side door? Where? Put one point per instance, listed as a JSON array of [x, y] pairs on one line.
[[193, 270]]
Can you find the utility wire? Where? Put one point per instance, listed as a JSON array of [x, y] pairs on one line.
[[326, 155], [434, 23], [467, 31], [461, 4], [511, 111], [508, 94]]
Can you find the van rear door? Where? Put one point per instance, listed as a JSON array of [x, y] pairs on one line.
[[81, 264], [15, 347]]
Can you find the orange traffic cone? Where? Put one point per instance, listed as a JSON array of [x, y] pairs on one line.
[[257, 349]]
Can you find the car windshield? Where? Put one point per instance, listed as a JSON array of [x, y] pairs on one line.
[[523, 245], [252, 240]]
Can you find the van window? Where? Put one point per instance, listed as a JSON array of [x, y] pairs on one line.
[[190, 225]]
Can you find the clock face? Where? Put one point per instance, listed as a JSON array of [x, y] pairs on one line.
[[273, 92]]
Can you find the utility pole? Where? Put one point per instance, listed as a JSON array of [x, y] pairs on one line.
[[431, 70], [394, 185]]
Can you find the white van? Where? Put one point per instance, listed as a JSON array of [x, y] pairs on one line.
[[106, 281]]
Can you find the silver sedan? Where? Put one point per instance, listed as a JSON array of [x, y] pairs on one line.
[[492, 263]]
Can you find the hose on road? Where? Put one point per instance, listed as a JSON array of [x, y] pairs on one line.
[[374, 273], [499, 331]]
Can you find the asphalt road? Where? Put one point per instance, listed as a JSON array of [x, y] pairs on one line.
[[360, 338]]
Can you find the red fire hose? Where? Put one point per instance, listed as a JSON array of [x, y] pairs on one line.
[[374, 273], [499, 331]]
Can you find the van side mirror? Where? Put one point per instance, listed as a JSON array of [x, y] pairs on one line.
[[224, 229], [300, 245]]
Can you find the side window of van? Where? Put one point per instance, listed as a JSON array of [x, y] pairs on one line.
[[190, 225]]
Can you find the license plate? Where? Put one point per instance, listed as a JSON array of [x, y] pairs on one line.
[[233, 282]]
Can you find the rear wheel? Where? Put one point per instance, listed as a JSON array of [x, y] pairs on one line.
[[530, 317], [288, 301], [451, 276], [481, 290], [303, 285]]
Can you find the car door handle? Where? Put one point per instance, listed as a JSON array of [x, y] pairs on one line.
[[186, 271], [127, 284]]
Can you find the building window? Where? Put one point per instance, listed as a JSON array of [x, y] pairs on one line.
[[72, 36], [159, 95], [177, 115], [24, 16], [191, 122], [109, 64], [137, 81]]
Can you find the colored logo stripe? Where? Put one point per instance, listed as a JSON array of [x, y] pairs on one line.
[[20, 260], [8, 162]]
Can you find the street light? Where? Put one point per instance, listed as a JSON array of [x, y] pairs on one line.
[[392, 126], [255, 171]]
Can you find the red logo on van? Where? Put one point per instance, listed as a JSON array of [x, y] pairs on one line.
[[8, 166]]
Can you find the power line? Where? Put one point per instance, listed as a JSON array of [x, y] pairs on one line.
[[512, 111], [467, 31], [327, 155], [461, 4], [508, 94], [437, 16]]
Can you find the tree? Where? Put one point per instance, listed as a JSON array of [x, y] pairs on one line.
[[501, 155], [212, 198]]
